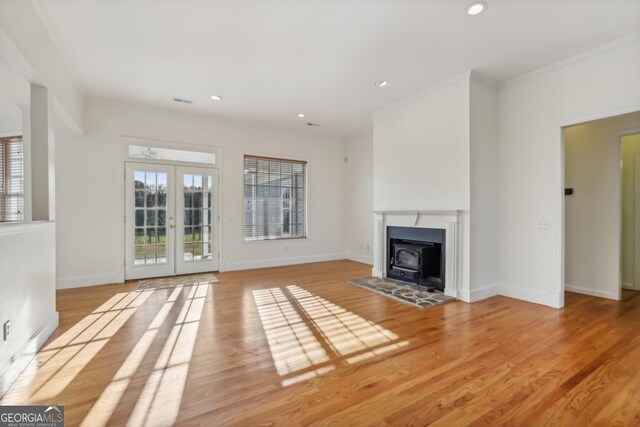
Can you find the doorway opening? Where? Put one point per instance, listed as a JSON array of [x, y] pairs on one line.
[[171, 220], [602, 253]]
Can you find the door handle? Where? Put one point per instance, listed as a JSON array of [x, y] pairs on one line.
[[171, 226]]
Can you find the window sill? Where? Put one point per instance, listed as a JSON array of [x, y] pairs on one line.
[[23, 222], [19, 226], [280, 239]]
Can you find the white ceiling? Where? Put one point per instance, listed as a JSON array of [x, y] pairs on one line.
[[271, 59]]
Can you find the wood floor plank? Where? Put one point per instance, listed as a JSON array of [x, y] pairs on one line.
[[297, 345]]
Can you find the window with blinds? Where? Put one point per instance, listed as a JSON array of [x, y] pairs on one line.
[[11, 179], [274, 198]]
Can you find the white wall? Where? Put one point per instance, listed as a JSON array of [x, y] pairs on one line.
[[592, 213], [10, 120], [484, 228], [532, 109], [26, 43], [90, 182], [90, 201], [421, 157], [359, 204], [27, 249], [419, 142], [27, 294], [630, 148]]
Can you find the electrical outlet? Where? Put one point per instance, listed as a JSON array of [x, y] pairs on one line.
[[543, 225], [7, 330], [286, 248]]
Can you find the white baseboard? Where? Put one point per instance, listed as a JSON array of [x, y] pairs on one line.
[[278, 262], [478, 294], [464, 296], [359, 258], [79, 282], [592, 292], [544, 298], [626, 286], [22, 358]]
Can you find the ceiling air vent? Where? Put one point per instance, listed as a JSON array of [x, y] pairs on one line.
[[315, 125], [182, 100]]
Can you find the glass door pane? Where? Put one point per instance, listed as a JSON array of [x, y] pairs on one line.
[[150, 217], [198, 218], [148, 220]]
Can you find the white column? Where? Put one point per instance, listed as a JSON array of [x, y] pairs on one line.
[[451, 257], [379, 245], [42, 155], [26, 144]]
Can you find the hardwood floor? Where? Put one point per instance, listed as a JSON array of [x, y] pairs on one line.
[[297, 346]]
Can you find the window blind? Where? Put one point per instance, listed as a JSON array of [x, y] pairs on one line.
[[274, 198], [11, 179]]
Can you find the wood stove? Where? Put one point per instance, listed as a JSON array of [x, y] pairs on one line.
[[417, 255]]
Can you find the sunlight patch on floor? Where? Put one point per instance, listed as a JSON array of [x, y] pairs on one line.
[[57, 365], [346, 332], [376, 352], [307, 375], [159, 401], [292, 343], [103, 408], [306, 333]]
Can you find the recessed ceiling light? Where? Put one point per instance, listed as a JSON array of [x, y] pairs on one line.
[[302, 115], [216, 97], [381, 83], [476, 8]]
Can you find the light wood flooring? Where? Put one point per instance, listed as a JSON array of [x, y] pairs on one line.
[[297, 345]]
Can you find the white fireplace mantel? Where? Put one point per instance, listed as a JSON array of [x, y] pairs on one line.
[[449, 220]]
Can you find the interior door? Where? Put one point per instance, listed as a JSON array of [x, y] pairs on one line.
[[197, 220], [149, 220]]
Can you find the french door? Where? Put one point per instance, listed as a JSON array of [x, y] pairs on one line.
[[171, 219]]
